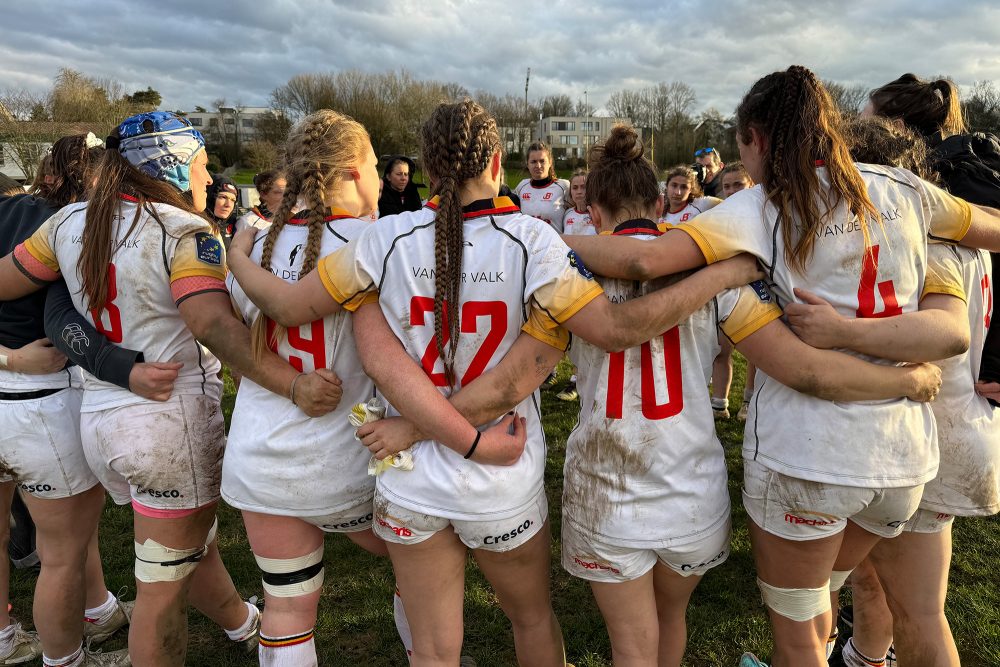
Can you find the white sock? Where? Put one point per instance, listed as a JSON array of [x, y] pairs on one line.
[[291, 651], [102, 612], [249, 625], [402, 625], [720, 403], [854, 658], [831, 641], [74, 659]]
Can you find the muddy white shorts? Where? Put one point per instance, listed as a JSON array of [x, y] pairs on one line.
[[799, 509], [587, 557], [929, 521], [40, 445], [163, 457], [399, 525], [351, 520]]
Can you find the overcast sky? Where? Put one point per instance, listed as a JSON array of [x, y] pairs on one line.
[[195, 51]]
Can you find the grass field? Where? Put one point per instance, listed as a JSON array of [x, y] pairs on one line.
[[725, 617]]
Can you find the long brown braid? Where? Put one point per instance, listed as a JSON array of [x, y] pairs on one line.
[[458, 141], [801, 125], [320, 150]]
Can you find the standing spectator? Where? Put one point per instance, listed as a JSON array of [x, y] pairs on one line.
[[709, 159], [222, 197], [399, 192]]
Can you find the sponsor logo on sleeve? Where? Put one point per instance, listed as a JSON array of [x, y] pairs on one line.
[[209, 248], [577, 263], [763, 293]]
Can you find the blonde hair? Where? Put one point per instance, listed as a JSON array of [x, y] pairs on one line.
[[321, 149]]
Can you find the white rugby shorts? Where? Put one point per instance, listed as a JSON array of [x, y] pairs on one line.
[[40, 445], [164, 457], [799, 509], [399, 525], [929, 521], [587, 557]]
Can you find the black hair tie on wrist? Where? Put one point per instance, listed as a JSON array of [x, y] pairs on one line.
[[475, 443]]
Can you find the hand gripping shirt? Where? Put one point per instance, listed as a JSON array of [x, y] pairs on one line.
[[644, 467], [278, 459], [168, 256], [510, 265], [875, 443], [968, 428]]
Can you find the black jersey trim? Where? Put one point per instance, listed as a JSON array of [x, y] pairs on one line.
[[330, 229], [524, 270], [392, 249], [895, 180]]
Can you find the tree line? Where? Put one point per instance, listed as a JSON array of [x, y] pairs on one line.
[[393, 105]]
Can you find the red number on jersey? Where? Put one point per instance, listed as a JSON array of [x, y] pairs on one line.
[[987, 301], [471, 312], [314, 345], [672, 375], [113, 332], [866, 289]]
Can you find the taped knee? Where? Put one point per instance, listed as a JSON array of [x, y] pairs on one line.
[[798, 604], [155, 562], [291, 577], [838, 578]]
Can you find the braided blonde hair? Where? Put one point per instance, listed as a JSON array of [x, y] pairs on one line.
[[321, 149]]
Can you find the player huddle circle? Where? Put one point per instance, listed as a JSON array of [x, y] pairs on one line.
[[831, 264]]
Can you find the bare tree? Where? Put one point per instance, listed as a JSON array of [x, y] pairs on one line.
[[849, 99], [982, 107], [556, 105]]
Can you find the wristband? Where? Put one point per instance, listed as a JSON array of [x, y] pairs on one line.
[[291, 390], [475, 443]]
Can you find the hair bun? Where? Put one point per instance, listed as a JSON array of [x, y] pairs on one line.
[[623, 145]]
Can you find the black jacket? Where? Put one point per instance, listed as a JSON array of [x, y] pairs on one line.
[[392, 201], [21, 319]]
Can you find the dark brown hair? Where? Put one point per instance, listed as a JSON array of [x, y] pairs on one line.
[[115, 176], [738, 168], [41, 186], [543, 147], [692, 179], [878, 140], [265, 179], [621, 179], [458, 142], [929, 107], [9, 187], [800, 125]]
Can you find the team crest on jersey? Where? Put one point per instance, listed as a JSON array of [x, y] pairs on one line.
[[577, 263], [209, 248], [763, 293]]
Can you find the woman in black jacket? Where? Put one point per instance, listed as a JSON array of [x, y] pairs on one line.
[[399, 192]]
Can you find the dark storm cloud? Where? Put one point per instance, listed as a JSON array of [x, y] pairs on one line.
[[195, 52]]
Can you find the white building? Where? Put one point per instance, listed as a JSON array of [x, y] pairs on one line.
[[572, 136], [226, 122]]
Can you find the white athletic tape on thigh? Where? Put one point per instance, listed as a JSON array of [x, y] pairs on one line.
[[838, 578], [212, 532], [291, 577], [155, 562], [798, 604]]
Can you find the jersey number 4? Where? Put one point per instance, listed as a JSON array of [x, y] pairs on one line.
[[672, 378], [866, 289], [496, 311], [113, 329]]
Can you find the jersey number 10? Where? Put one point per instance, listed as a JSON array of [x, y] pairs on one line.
[[672, 377]]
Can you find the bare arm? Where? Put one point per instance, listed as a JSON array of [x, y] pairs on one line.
[[288, 304], [834, 376], [38, 357], [940, 329], [615, 327], [210, 318], [13, 283], [411, 392], [632, 259], [985, 230]]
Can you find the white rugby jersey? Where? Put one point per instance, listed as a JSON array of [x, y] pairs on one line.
[[278, 459], [163, 261], [644, 467], [252, 218], [692, 209], [511, 265], [545, 202], [876, 443], [578, 223], [968, 428]]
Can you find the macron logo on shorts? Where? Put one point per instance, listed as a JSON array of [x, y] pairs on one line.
[[594, 565], [820, 520]]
